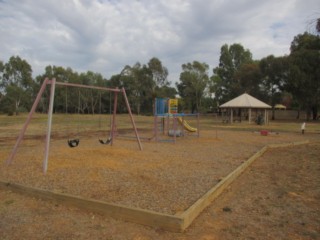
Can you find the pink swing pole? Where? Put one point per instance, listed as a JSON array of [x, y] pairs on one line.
[[25, 126], [113, 127], [131, 117], [46, 156]]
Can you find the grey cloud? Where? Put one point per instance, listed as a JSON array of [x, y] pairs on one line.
[[106, 35]]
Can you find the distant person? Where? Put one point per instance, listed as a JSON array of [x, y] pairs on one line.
[[303, 127]]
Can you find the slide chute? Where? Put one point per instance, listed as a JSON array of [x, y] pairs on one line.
[[186, 125]]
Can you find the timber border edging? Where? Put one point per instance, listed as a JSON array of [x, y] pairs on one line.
[[175, 223]]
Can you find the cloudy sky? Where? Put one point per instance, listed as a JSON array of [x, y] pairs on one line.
[[105, 35]]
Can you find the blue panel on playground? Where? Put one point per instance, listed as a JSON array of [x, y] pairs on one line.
[[161, 106]]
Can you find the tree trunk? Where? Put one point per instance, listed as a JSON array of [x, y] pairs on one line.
[[298, 114], [273, 114], [314, 112], [17, 107], [308, 114]]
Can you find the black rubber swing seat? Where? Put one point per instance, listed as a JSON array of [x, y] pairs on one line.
[[108, 141], [73, 142]]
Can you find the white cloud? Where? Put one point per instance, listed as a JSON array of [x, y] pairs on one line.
[[106, 35]]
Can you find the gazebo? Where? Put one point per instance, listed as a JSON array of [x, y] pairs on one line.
[[280, 106], [247, 102]]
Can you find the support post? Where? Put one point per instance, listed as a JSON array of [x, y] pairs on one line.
[[155, 127], [266, 117], [131, 117], [174, 128], [48, 137], [115, 105], [198, 124], [25, 126], [231, 116], [183, 130]]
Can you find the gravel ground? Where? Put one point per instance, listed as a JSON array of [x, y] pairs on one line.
[[277, 198], [164, 177]]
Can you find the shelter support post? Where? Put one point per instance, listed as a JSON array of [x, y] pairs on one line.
[[249, 117], [266, 117], [231, 116]]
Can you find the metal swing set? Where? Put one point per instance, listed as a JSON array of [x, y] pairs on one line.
[[71, 142]]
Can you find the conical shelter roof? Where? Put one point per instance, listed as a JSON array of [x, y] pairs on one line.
[[245, 101]]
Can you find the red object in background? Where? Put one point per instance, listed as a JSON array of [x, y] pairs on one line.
[[264, 132]]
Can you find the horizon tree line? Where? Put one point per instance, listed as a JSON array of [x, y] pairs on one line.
[[292, 80]]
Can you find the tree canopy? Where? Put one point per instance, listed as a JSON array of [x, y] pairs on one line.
[[193, 83], [304, 73], [226, 84], [16, 84]]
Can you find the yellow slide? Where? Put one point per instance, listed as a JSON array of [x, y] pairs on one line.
[[186, 125]]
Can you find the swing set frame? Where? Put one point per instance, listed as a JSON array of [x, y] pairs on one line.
[[53, 84]]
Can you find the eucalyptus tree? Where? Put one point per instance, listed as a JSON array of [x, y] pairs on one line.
[[1, 85], [66, 98], [274, 74], [304, 72], [248, 79], [138, 83], [1, 74], [17, 84], [224, 82], [91, 98], [159, 72], [193, 84], [144, 82]]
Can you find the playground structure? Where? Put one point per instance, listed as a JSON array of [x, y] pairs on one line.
[[71, 142], [167, 118]]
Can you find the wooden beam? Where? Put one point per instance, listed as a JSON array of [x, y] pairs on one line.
[[280, 145], [192, 212], [131, 214]]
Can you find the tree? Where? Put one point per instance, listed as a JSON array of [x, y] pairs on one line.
[[166, 92], [66, 98], [224, 83], [91, 98], [143, 83], [1, 83], [138, 83], [1, 74], [17, 84], [193, 83], [304, 72], [274, 73], [159, 72], [248, 79]]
